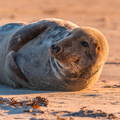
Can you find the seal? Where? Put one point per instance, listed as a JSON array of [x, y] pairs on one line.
[[51, 54]]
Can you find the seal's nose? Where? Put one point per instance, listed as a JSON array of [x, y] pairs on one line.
[[55, 48]]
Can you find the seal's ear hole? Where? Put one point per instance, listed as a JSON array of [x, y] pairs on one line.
[[98, 48], [84, 44]]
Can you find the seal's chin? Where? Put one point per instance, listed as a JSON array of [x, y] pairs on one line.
[[14, 67]]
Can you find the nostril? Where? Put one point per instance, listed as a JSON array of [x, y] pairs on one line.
[[55, 48]]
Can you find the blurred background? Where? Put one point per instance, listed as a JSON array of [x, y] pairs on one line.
[[101, 14]]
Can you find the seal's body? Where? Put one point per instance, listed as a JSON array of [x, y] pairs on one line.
[[51, 54]]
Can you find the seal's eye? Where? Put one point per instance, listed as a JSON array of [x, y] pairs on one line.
[[84, 44]]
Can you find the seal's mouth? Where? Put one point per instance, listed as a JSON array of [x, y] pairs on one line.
[[16, 69]]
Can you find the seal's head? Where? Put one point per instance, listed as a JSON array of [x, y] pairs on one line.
[[83, 54]]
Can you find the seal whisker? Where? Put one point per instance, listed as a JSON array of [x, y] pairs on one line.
[[59, 67], [54, 69]]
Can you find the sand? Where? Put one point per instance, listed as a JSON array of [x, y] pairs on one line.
[[100, 102]]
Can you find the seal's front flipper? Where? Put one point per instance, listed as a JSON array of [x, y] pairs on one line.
[[25, 34]]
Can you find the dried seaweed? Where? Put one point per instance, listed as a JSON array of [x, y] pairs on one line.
[[29, 105]]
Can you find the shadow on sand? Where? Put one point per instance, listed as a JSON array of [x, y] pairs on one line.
[[6, 90]]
